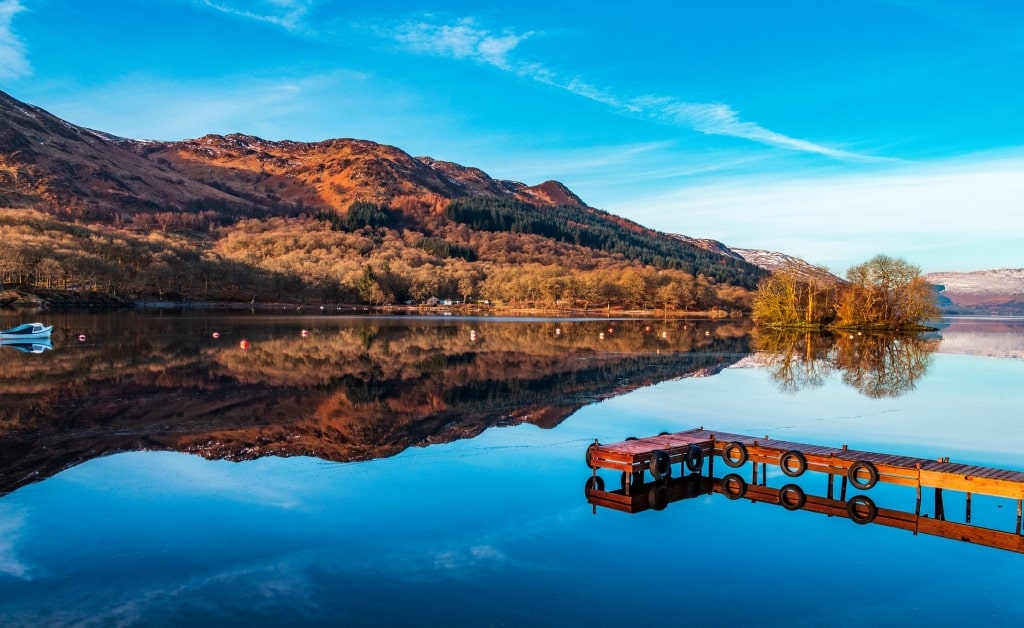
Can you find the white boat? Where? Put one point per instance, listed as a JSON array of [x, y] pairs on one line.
[[28, 330]]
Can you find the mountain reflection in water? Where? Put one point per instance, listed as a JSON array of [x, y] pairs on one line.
[[344, 390]]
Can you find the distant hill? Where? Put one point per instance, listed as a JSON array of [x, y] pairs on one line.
[[992, 292], [240, 217]]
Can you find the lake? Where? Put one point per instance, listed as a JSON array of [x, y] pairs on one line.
[[192, 468]]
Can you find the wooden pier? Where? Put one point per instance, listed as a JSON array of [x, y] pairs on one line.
[[657, 456]]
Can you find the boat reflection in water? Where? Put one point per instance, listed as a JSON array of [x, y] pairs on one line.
[[39, 345], [749, 481]]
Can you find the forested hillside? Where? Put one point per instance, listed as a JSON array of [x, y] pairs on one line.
[[239, 218]]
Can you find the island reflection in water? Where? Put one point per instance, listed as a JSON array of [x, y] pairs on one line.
[[876, 364], [337, 389]]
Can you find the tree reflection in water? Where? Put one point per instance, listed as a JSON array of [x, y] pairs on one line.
[[878, 365]]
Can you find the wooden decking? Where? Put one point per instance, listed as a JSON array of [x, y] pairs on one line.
[[657, 455], [636, 455]]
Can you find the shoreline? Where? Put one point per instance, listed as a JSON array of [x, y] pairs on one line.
[[16, 301]]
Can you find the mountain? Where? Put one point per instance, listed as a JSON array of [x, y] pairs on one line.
[[994, 292], [239, 217]]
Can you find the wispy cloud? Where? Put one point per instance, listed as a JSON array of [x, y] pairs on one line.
[[13, 62], [466, 40], [461, 40], [288, 14]]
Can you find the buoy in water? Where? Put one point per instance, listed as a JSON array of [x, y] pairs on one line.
[[244, 344]]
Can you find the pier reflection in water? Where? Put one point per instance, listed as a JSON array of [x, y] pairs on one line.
[[637, 459]]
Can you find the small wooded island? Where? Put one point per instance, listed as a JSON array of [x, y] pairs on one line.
[[882, 293]]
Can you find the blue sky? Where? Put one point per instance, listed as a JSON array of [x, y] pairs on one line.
[[831, 131]]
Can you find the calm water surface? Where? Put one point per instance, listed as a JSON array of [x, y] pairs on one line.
[[412, 471]]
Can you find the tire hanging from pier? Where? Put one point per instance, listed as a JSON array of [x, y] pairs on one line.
[[791, 456], [740, 451], [660, 465], [853, 474], [694, 458]]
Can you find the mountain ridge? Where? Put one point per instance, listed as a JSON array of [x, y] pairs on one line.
[[49, 162], [345, 220]]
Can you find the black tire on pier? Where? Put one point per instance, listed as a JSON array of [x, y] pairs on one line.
[[734, 448], [793, 456], [853, 474], [660, 465]]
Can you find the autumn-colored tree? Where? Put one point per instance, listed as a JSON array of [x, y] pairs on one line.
[[790, 298], [886, 292]]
